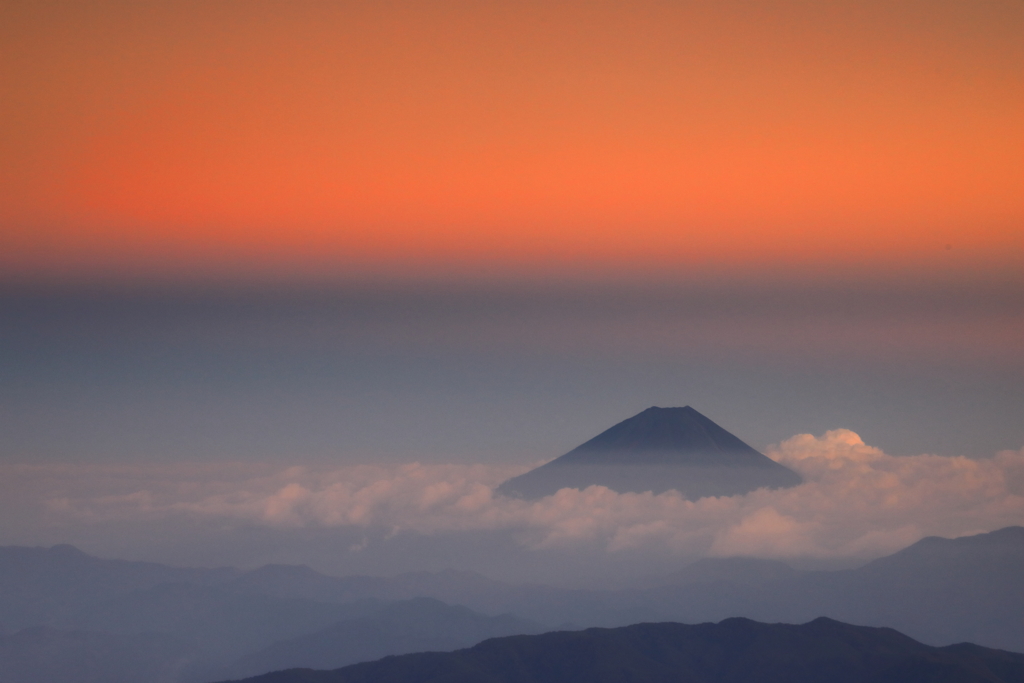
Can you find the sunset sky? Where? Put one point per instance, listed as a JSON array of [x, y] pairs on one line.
[[269, 266], [323, 139]]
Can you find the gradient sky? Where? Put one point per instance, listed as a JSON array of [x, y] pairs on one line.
[[245, 244], [322, 138], [794, 216]]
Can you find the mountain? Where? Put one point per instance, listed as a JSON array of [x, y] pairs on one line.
[[938, 591], [54, 585], [739, 570], [732, 651], [299, 581], [76, 617], [225, 624], [410, 626], [658, 450], [192, 651], [44, 655]]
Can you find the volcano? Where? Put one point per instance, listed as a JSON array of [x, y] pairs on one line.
[[658, 450]]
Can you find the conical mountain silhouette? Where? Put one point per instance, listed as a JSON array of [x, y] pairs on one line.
[[658, 450]]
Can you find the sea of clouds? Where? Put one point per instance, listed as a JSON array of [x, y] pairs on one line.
[[856, 501]]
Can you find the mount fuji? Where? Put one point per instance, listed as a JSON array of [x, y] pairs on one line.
[[658, 450]]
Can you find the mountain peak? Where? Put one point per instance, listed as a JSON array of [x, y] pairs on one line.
[[657, 435], [657, 450]]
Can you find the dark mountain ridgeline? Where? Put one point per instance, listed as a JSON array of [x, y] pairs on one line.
[[732, 651], [658, 450]]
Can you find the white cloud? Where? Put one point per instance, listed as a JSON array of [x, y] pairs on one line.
[[856, 501]]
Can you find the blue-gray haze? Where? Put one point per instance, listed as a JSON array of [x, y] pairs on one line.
[[495, 372]]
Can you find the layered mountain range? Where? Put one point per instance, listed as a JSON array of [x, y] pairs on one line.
[[68, 617]]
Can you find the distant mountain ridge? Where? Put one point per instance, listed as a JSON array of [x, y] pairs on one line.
[[50, 655], [657, 450], [60, 604], [732, 651], [418, 625]]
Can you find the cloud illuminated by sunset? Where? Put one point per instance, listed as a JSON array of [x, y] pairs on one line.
[[855, 501]]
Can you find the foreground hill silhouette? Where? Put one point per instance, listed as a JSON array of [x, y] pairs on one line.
[[658, 450], [732, 651]]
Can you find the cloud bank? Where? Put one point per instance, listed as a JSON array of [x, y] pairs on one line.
[[856, 501]]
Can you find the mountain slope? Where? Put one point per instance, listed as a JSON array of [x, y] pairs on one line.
[[45, 655], [657, 450], [733, 651], [939, 591], [411, 626], [224, 623], [53, 585]]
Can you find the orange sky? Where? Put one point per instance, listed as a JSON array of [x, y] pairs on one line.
[[337, 137]]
